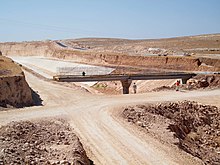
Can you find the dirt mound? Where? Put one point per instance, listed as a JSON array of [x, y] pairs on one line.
[[204, 81], [196, 126], [163, 88], [8, 67], [43, 142], [197, 82]]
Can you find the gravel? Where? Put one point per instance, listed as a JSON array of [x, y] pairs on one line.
[[40, 142]]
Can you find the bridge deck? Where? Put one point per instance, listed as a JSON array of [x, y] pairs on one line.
[[121, 77]]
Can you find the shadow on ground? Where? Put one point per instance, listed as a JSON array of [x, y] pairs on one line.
[[91, 162], [36, 98]]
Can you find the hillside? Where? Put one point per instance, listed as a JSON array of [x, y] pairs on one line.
[[202, 44], [193, 53]]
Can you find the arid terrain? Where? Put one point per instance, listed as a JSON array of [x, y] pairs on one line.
[[183, 53], [152, 127], [195, 125], [14, 90], [45, 141]]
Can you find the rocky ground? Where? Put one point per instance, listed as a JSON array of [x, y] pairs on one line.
[[208, 81], [40, 142], [195, 126], [204, 81]]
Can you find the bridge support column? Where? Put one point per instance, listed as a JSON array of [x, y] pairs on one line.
[[184, 80], [126, 84]]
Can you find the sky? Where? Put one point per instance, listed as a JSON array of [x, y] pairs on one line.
[[29, 20]]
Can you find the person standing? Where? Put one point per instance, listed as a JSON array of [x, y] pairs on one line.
[[177, 85], [135, 88]]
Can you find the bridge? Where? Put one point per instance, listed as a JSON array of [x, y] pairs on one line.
[[126, 79]]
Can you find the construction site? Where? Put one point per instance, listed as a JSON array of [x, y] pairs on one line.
[[111, 101]]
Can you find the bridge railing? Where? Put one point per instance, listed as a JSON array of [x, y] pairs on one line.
[[87, 70], [102, 71]]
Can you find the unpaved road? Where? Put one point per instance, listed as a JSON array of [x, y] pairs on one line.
[[107, 139]]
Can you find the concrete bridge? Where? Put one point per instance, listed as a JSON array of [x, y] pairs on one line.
[[126, 79]]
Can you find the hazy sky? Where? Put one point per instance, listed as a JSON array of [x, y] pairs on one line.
[[22, 20]]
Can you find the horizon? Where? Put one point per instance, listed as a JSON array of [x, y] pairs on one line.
[[124, 19], [112, 38]]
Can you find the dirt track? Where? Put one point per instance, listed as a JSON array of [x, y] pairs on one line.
[[107, 139]]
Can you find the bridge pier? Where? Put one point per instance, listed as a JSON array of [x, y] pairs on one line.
[[184, 80], [126, 84]]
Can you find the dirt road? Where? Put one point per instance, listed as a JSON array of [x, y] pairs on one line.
[[107, 139]]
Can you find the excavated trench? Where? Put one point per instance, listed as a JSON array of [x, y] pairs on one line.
[[51, 49]]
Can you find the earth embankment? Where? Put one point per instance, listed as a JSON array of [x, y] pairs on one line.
[[25, 48], [174, 63], [103, 57], [196, 126], [14, 90]]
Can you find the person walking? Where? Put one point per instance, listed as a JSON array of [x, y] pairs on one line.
[[135, 88]]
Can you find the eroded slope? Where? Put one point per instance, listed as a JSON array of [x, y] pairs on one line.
[[14, 90], [195, 125], [181, 53]]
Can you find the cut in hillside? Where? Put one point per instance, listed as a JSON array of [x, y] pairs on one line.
[[194, 53], [14, 90]]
